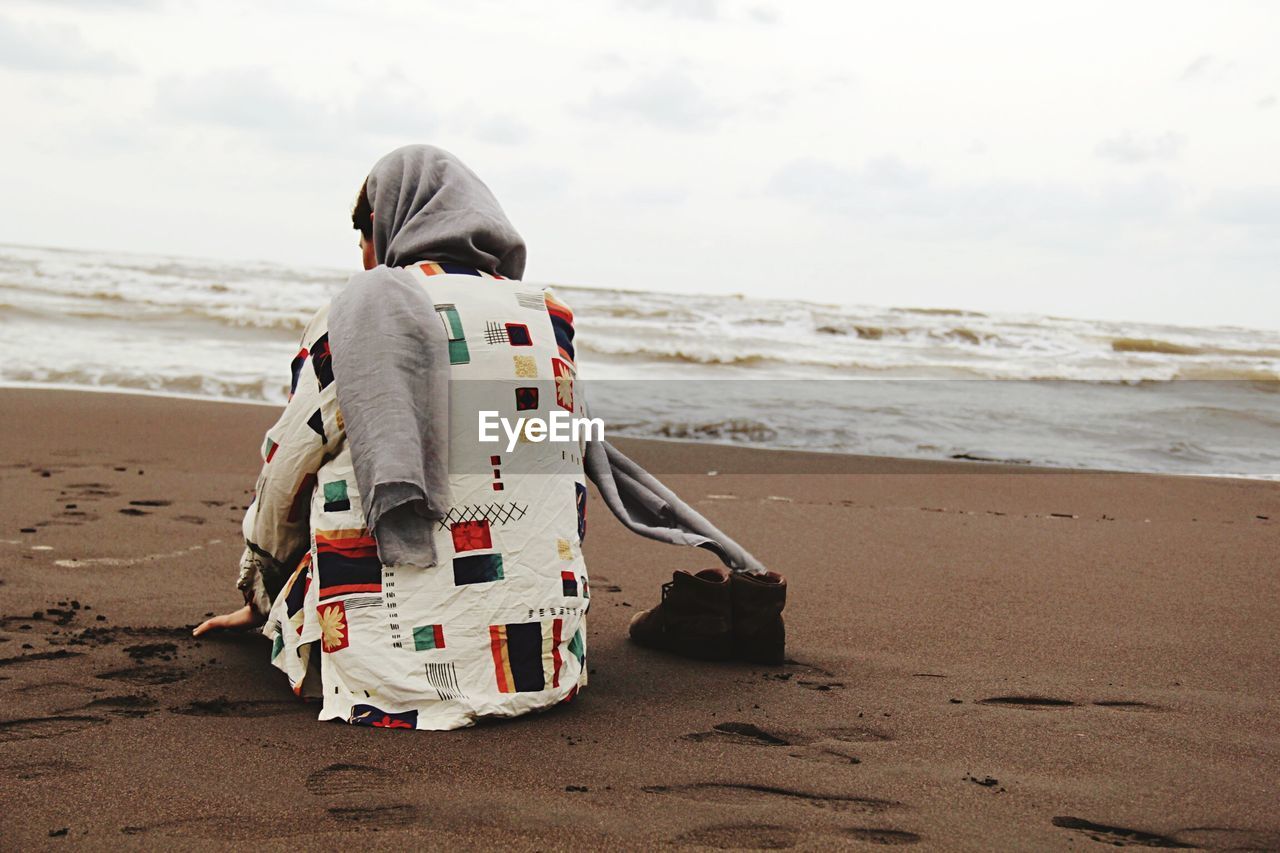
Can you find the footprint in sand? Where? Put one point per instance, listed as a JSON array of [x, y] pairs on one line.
[[745, 836], [132, 705], [746, 733], [224, 707], [146, 674], [807, 676], [34, 656], [816, 747], [1042, 702], [1118, 835], [90, 491], [1122, 705], [401, 814], [1027, 702], [38, 728], [769, 797], [25, 771], [882, 836], [347, 779], [219, 827]]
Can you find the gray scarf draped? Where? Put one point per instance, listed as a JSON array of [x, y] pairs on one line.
[[391, 367]]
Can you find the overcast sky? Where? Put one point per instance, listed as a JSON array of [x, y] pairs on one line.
[[1093, 159]]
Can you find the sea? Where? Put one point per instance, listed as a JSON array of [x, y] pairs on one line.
[[931, 383]]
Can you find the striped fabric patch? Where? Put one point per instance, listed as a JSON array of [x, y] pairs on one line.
[[448, 268], [444, 678], [526, 655], [562, 325], [347, 563], [532, 301], [427, 637], [477, 568], [569, 582], [458, 352], [335, 496]]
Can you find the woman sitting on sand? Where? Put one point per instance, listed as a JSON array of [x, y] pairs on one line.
[[408, 574]]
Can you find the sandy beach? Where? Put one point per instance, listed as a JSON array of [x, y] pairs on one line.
[[980, 658]]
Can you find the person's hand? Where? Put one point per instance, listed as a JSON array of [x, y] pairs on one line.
[[242, 618]]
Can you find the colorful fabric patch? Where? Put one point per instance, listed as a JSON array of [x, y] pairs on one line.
[[526, 655], [272, 447], [580, 497], [277, 644], [316, 422], [518, 335], [295, 370], [569, 583], [347, 563], [322, 361], [477, 568], [335, 496], [564, 383], [368, 715], [458, 352], [301, 498], [427, 637], [334, 635], [525, 366], [562, 325], [577, 647], [448, 268], [471, 535], [526, 398], [295, 594]]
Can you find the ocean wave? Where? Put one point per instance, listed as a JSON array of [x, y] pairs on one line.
[[678, 356], [1162, 347], [1153, 345], [1263, 380], [250, 390], [957, 334], [731, 429]]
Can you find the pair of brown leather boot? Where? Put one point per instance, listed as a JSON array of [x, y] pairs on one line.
[[715, 615]]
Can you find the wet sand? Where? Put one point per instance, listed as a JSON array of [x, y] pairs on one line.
[[981, 658]]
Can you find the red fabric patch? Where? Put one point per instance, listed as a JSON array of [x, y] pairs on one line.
[[471, 535]]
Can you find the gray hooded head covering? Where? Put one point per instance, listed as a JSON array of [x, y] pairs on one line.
[[428, 206]]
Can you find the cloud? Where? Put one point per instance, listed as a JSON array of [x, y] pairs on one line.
[[54, 47], [702, 10], [883, 184], [670, 100], [1260, 206], [699, 10], [252, 100], [1131, 150], [1205, 67], [103, 4], [244, 99], [886, 188], [501, 130]]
